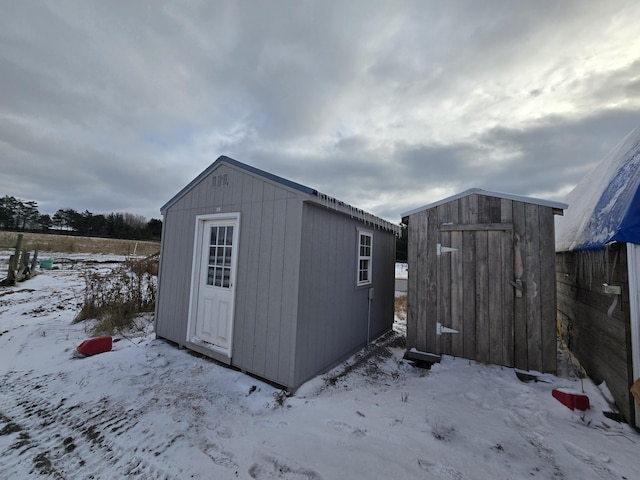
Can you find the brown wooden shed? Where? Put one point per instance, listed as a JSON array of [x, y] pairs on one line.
[[481, 279]]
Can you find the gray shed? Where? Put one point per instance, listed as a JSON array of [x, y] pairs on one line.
[[482, 279], [270, 276]]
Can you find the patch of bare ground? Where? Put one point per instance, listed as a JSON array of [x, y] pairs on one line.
[[400, 307], [70, 441]]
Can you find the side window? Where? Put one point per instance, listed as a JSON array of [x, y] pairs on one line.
[[365, 250]]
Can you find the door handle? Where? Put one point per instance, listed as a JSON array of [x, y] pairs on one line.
[[517, 284]]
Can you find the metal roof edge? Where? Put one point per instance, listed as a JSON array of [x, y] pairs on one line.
[[354, 212], [317, 197], [488, 193], [189, 185], [269, 176]]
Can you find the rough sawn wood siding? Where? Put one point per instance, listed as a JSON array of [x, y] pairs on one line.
[[496, 240], [602, 343]]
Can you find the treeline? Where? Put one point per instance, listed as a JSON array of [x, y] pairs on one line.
[[19, 215]]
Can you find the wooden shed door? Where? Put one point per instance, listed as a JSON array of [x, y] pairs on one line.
[[475, 298], [215, 298]]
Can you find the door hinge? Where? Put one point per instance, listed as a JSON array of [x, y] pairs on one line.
[[440, 249], [440, 329]]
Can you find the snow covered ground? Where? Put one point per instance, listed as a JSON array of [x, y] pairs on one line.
[[401, 270], [148, 410]]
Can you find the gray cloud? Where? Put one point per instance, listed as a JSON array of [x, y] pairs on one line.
[[115, 106]]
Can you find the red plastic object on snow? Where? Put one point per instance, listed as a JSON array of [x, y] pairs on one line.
[[95, 345], [571, 400]]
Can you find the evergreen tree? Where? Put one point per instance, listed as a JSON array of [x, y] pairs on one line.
[[16, 214]]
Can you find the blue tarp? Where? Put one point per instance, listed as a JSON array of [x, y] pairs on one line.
[[605, 206]]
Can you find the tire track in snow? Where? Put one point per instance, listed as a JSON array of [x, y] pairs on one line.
[[67, 441]]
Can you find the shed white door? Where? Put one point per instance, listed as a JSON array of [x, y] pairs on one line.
[[215, 298]]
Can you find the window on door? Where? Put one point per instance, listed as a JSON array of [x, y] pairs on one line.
[[220, 249], [365, 245]]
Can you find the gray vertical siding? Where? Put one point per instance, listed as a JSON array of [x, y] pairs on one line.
[[174, 276], [266, 278], [297, 307], [266, 295], [332, 310]]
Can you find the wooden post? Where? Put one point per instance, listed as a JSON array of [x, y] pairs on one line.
[[13, 262], [34, 260], [11, 274], [23, 271]]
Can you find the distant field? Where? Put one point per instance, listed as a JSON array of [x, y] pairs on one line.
[[73, 244]]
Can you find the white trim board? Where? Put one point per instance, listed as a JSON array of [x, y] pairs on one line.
[[200, 221], [633, 260]]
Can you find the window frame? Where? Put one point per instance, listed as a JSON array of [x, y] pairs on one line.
[[360, 257], [220, 261]]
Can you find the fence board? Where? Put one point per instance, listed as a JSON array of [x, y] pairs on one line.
[[444, 281], [496, 293], [519, 305], [532, 269], [457, 295], [482, 298], [509, 293], [548, 299], [469, 215], [431, 303]]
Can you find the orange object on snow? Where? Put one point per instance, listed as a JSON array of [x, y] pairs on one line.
[[95, 345]]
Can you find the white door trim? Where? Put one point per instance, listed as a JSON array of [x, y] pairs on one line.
[[633, 261], [194, 290]]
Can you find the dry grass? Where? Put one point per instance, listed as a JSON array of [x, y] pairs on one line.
[[114, 299], [400, 307], [73, 244]]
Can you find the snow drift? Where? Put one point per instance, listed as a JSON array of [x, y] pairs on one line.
[[605, 205]]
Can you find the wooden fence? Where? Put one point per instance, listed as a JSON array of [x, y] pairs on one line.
[[21, 264]]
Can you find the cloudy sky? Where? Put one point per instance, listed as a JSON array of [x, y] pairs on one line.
[[114, 106]]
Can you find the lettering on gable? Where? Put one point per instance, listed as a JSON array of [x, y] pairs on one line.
[[220, 180]]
